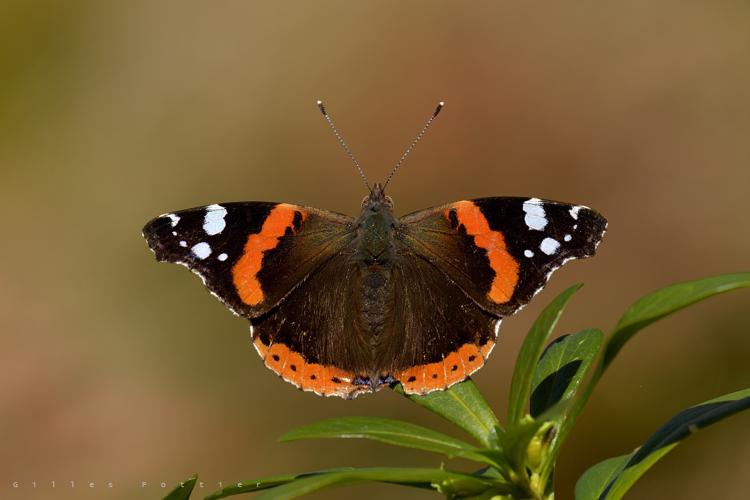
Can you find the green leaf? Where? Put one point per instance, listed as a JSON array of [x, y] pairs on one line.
[[561, 369], [266, 483], [532, 347], [560, 372], [394, 432], [665, 301], [624, 471], [590, 485], [183, 490], [651, 308], [451, 484], [464, 406]]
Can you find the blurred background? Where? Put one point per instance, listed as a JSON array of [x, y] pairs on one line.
[[116, 369]]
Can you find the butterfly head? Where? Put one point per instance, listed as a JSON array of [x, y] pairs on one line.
[[377, 200]]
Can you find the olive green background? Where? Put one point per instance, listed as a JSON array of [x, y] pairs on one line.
[[115, 368]]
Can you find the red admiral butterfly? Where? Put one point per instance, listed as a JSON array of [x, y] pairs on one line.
[[342, 306]]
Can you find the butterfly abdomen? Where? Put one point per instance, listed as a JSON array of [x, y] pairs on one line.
[[377, 298], [374, 255]]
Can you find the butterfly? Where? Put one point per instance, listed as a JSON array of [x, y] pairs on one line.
[[343, 306]]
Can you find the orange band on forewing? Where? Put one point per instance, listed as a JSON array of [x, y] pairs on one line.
[[245, 271], [502, 263]]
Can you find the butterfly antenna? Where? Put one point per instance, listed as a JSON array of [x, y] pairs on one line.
[[343, 144], [414, 142]]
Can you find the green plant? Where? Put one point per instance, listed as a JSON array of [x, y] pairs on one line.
[[518, 460]]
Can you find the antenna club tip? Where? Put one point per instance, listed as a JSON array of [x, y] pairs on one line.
[[440, 106], [322, 107]]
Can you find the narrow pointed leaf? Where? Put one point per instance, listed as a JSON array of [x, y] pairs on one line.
[[651, 308], [451, 484], [665, 301], [266, 483], [183, 490], [532, 348], [464, 406], [561, 369], [394, 432], [591, 484], [633, 466], [446, 482], [559, 374]]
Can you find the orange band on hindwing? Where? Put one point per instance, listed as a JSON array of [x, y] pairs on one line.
[[455, 367], [245, 271], [312, 377], [502, 262]]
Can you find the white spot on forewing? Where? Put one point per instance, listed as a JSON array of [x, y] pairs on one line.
[[201, 250], [213, 221], [567, 237], [222, 257], [535, 217], [174, 218], [528, 253], [549, 246], [183, 243], [574, 211]]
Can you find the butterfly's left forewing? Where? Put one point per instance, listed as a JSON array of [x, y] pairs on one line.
[[501, 251], [250, 254]]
